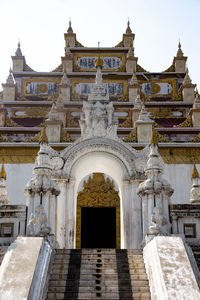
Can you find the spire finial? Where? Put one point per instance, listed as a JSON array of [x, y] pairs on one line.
[[3, 172], [18, 52], [154, 139], [70, 30], [128, 29], [195, 173], [179, 52]]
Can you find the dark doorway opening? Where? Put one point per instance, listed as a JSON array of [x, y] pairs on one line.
[[98, 227]]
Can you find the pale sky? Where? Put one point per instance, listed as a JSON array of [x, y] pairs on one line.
[[158, 25]]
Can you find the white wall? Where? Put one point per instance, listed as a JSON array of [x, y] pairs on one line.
[[17, 177], [179, 176]]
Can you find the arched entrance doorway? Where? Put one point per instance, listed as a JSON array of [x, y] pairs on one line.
[[98, 214]]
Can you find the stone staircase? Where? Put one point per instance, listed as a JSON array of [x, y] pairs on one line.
[[98, 274], [196, 252]]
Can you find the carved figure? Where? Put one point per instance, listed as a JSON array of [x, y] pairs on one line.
[[37, 225], [159, 224]]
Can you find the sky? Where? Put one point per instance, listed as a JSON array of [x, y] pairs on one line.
[[158, 25]]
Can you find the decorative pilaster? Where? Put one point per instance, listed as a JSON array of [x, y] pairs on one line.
[[40, 191], [67, 60], [133, 88], [188, 88], [3, 191], [154, 192], [136, 110], [53, 125], [64, 90], [131, 61], [195, 190], [180, 61], [195, 111], [9, 88], [144, 126], [70, 37], [18, 60], [128, 37]]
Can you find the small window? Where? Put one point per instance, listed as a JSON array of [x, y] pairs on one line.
[[190, 230], [6, 229]]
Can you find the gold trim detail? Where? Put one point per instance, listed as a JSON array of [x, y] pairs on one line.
[[121, 97], [170, 155], [30, 113], [158, 113], [121, 56], [26, 81], [97, 192], [66, 137], [186, 123], [173, 94], [10, 123], [127, 123], [155, 88], [195, 173], [195, 139], [131, 137]]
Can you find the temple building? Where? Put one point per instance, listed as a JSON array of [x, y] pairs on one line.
[[99, 181]]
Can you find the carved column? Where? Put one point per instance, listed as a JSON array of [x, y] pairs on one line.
[[71, 207], [155, 193], [61, 214]]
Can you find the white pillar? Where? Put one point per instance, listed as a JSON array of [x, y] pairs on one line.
[[52, 213], [30, 205], [61, 209], [71, 206], [126, 212], [145, 215], [135, 235]]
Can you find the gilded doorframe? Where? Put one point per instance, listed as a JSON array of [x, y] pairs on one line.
[[98, 191]]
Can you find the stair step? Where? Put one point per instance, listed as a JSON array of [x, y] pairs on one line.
[[98, 295], [62, 283], [98, 274]]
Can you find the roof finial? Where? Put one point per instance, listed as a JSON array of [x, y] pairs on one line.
[[98, 44], [10, 79], [179, 52], [70, 30], [3, 172], [18, 51], [128, 29], [195, 173]]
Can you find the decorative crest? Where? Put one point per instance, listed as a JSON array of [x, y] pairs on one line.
[[195, 173], [3, 172], [99, 62], [154, 139], [43, 136]]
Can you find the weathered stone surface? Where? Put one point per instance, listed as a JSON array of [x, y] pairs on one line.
[[18, 266], [169, 270]]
